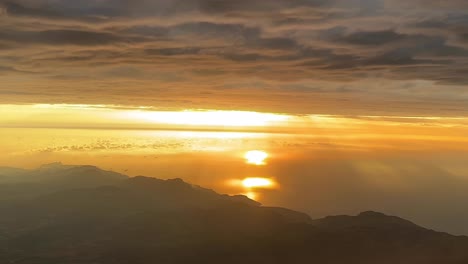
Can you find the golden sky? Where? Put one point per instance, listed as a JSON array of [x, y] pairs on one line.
[[343, 105]]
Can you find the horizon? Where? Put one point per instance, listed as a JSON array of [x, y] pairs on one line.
[[323, 107]]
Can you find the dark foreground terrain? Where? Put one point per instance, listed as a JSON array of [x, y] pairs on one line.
[[61, 214]]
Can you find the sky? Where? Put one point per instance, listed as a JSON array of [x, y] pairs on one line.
[[358, 57], [357, 104]]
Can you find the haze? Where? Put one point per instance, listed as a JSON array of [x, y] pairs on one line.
[[327, 107]]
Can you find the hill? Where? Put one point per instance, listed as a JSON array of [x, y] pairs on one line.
[[109, 218]]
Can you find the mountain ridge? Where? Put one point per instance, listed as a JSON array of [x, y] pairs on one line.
[[145, 220]]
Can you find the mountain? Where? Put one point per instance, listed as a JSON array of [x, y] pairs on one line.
[[57, 173], [9, 174], [12, 172], [145, 220], [20, 183]]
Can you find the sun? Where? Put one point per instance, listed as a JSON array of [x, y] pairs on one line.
[[256, 157]]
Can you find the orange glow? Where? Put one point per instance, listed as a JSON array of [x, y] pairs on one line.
[[112, 116], [256, 157], [261, 183], [210, 118], [251, 195]]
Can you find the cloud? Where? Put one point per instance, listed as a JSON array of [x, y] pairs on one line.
[[279, 41], [61, 37], [371, 38]]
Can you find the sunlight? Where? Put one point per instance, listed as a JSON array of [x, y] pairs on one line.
[[251, 195], [210, 118], [215, 135], [256, 157]]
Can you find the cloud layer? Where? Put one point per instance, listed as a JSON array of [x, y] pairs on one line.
[[300, 56]]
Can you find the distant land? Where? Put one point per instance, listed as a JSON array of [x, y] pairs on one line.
[[63, 214]]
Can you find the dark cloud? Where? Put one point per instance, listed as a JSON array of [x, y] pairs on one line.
[[242, 42], [173, 51], [372, 38], [244, 57], [216, 30], [41, 9], [92, 10], [276, 43], [16, 9], [435, 5], [396, 58], [4, 69], [62, 37]]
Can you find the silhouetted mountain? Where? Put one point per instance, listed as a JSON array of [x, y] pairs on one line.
[[78, 176], [145, 220], [8, 174], [20, 183], [12, 172], [57, 173]]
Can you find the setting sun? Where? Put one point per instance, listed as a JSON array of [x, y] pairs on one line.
[[256, 157]]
